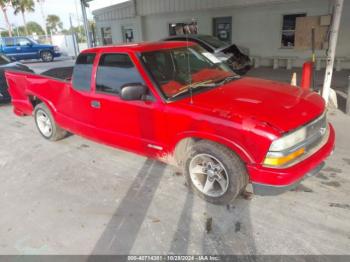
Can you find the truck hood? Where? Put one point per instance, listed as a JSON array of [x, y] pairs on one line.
[[280, 105], [45, 46]]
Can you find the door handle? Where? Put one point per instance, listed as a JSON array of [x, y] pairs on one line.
[[95, 104]]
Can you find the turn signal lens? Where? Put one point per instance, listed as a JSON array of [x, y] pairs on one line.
[[280, 161]]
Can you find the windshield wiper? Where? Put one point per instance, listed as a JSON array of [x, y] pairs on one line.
[[194, 86], [228, 79]]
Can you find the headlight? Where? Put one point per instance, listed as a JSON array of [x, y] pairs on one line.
[[289, 141], [56, 48], [286, 149]]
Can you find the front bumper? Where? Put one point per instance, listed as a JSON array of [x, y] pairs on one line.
[[280, 180], [57, 54], [269, 190]]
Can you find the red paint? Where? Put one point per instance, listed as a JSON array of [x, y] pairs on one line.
[[306, 75], [288, 176], [245, 115]]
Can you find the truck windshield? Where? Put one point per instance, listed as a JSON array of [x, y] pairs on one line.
[[178, 71]]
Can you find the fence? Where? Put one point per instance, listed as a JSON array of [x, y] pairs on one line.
[[67, 43]]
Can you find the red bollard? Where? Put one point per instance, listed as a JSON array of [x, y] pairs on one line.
[[306, 75]]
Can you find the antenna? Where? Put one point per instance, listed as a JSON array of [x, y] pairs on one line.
[[189, 67]]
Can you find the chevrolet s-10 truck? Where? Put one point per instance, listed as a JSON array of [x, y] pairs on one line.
[[175, 102]]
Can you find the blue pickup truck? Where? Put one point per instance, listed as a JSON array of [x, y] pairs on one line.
[[22, 48]]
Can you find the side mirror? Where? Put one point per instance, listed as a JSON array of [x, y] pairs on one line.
[[132, 92], [30, 44]]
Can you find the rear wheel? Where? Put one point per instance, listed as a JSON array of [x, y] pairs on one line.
[[46, 56], [215, 173], [46, 124]]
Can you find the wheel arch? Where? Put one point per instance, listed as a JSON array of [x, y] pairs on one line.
[[45, 50], [35, 100], [184, 142]]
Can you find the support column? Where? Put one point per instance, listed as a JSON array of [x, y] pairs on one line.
[[338, 7]]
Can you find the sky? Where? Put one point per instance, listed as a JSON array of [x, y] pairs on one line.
[[62, 8]]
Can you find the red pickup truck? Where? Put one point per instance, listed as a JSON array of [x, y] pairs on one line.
[[176, 102]]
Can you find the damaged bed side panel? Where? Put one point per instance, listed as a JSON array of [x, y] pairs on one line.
[[25, 87]]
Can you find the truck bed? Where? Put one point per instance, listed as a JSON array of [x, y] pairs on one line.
[[62, 73]]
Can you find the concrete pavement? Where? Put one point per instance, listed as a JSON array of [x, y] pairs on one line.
[[79, 197]]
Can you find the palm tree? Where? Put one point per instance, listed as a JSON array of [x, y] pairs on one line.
[[3, 5], [22, 6], [53, 23], [41, 3]]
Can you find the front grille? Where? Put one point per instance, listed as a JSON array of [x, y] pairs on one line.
[[315, 132], [317, 127]]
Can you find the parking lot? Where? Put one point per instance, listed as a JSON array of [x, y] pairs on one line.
[[79, 197]]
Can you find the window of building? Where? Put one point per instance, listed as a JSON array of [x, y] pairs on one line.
[[128, 34], [115, 71], [106, 33], [288, 30], [82, 72], [183, 28]]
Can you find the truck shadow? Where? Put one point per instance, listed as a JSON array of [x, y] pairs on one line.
[[122, 230], [230, 231]]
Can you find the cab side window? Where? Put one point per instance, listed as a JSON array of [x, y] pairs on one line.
[[22, 41], [115, 71], [82, 72]]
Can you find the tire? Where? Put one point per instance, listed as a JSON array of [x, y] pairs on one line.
[[46, 124], [233, 173], [46, 56]]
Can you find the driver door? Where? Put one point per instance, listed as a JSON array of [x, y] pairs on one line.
[[133, 125], [26, 48]]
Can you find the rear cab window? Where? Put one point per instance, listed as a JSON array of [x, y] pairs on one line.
[[83, 71], [115, 70]]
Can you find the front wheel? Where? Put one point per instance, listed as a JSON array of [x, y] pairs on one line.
[[215, 173], [46, 56], [47, 125]]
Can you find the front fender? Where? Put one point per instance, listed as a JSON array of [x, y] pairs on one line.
[[234, 146]]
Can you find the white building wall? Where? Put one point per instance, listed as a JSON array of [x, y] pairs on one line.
[[257, 27], [150, 7], [343, 48]]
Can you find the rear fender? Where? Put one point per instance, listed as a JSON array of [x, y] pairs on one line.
[[22, 96], [17, 84]]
